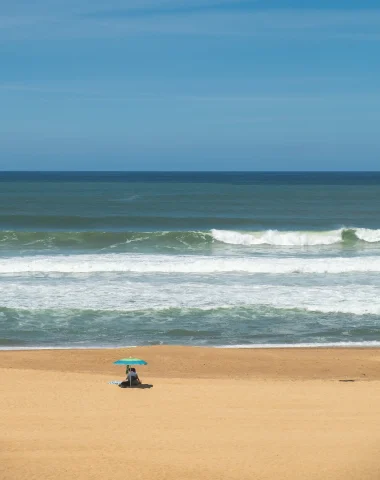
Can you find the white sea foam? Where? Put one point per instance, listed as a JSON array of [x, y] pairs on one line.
[[295, 238], [367, 344], [73, 264], [368, 235], [275, 237], [102, 294]]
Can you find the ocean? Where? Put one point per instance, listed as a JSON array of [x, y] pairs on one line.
[[109, 259]]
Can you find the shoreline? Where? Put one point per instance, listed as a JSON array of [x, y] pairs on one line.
[[259, 346]]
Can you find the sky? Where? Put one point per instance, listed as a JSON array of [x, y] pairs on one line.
[[190, 85]]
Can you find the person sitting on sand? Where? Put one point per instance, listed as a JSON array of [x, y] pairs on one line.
[[133, 378]]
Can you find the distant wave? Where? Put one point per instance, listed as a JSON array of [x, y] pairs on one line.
[[119, 241], [97, 240], [200, 264], [118, 221]]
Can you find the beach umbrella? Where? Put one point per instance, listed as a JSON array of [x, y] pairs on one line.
[[128, 362]]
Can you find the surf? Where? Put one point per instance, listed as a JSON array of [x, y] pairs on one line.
[[55, 240], [192, 264], [297, 238]]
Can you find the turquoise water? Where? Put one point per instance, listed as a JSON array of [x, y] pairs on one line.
[[242, 259]]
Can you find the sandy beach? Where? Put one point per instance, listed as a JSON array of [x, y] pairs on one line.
[[211, 413]]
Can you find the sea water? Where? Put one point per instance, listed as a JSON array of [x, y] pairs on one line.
[[207, 259]]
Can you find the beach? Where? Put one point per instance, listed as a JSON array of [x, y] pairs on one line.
[[254, 298], [212, 413]]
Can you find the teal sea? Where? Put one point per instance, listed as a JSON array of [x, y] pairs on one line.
[[208, 259]]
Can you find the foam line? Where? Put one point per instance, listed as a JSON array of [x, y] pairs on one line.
[[365, 344], [185, 264]]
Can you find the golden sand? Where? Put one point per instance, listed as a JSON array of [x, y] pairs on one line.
[[211, 414]]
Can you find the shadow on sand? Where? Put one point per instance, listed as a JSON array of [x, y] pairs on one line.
[[141, 386]]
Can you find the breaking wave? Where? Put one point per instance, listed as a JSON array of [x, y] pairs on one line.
[[297, 238], [124, 241]]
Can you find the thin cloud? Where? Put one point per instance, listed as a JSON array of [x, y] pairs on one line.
[[258, 23], [96, 95], [153, 97], [168, 7], [70, 7], [274, 23]]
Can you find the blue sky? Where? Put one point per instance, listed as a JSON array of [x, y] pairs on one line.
[[190, 85]]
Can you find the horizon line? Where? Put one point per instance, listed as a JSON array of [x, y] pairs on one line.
[[187, 171]]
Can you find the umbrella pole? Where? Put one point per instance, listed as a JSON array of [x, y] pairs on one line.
[[130, 384]]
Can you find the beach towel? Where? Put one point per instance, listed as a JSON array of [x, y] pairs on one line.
[[114, 382]]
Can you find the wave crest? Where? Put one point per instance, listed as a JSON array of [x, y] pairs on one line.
[[98, 240], [179, 240], [275, 237], [297, 238]]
